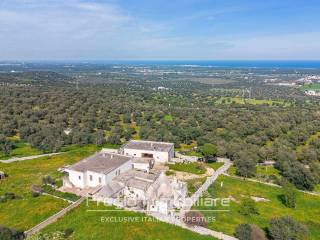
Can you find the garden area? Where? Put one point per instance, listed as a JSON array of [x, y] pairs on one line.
[[19, 148], [194, 168]]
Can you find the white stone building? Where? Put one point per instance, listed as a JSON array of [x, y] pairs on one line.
[[97, 170], [160, 151], [312, 93], [165, 195], [127, 180]]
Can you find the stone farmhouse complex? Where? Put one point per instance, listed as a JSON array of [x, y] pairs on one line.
[[126, 178]]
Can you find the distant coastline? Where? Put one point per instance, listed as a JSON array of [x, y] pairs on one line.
[[313, 64], [289, 64]]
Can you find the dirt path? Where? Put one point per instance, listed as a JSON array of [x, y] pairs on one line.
[[197, 229], [213, 175], [53, 218], [210, 180], [10, 160]]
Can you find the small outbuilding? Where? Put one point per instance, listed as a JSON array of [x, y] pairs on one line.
[[2, 175], [161, 152]]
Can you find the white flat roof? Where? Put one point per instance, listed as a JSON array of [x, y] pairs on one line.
[[149, 145], [100, 162]]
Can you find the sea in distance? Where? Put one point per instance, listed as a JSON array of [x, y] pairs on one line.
[[313, 64], [290, 64]]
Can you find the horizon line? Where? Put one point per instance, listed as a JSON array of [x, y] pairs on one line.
[[155, 60]]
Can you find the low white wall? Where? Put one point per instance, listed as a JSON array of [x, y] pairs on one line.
[[142, 166]]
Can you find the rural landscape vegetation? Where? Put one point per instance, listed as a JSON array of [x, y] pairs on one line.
[[77, 112], [159, 120]]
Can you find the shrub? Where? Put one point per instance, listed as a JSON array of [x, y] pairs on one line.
[[36, 191], [59, 183], [35, 194], [249, 232], [287, 228], [48, 180], [68, 232], [209, 151], [195, 219], [289, 196], [58, 235], [9, 196], [248, 207], [257, 233], [243, 232], [297, 174], [245, 167], [10, 234]]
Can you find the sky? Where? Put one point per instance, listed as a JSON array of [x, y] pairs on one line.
[[159, 29]]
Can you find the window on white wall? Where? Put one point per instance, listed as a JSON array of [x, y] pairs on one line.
[[79, 177], [90, 177], [100, 180]]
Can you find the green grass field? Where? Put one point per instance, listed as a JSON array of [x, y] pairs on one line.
[[239, 100], [307, 210], [314, 86], [22, 214], [261, 170], [26, 211], [194, 168], [88, 225], [215, 165], [194, 153], [168, 118], [68, 196], [20, 149]]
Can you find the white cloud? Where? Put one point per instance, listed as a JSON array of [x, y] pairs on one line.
[[57, 29], [71, 29]]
